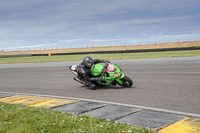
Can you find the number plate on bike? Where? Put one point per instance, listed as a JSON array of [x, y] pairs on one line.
[[110, 68]]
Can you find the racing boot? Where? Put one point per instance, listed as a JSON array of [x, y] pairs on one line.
[[90, 85], [95, 79]]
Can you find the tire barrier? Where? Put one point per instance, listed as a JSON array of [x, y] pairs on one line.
[[18, 55], [106, 52]]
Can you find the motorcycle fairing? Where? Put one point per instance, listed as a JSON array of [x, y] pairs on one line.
[[73, 69]]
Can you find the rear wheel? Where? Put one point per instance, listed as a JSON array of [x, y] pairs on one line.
[[127, 82]]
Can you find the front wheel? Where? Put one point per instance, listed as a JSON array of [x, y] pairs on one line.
[[127, 82]]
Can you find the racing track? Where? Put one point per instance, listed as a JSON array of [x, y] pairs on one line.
[[166, 83]]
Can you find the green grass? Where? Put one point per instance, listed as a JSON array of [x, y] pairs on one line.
[[100, 56], [22, 119]]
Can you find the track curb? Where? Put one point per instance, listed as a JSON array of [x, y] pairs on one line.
[[161, 120]]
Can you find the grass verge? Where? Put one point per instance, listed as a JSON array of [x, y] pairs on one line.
[[59, 58], [17, 118]]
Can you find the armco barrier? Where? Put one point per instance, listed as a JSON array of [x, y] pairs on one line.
[[129, 51], [107, 52]]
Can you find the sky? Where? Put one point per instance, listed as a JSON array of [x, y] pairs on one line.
[[50, 24]]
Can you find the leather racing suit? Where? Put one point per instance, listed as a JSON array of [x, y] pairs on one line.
[[84, 74]]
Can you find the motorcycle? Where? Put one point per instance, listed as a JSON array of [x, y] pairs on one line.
[[111, 75]]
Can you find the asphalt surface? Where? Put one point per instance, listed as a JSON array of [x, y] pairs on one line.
[[166, 83]]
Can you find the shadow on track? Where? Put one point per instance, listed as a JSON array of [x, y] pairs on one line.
[[109, 88]]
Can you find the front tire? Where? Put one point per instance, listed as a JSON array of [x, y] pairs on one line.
[[127, 82]]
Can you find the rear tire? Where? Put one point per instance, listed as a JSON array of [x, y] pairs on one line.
[[127, 82]]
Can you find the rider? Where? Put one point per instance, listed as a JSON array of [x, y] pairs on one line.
[[83, 70]]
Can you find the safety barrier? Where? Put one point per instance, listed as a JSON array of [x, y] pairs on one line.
[[18, 55], [105, 52]]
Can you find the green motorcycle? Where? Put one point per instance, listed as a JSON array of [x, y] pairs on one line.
[[111, 73]]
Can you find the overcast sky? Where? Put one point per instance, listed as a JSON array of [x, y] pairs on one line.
[[37, 24]]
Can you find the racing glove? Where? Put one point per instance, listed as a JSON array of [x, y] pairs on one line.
[[106, 61]]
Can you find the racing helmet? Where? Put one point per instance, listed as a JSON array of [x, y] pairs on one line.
[[88, 61]]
